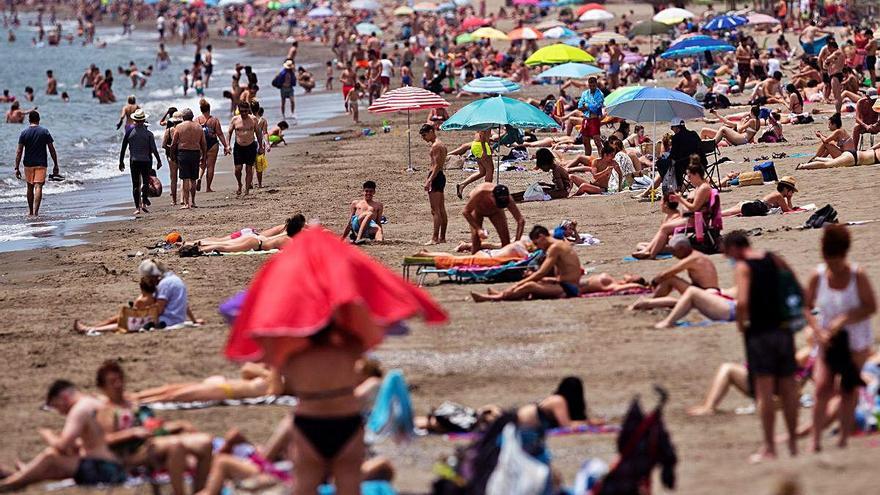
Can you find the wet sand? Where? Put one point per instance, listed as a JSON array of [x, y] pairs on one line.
[[504, 353]]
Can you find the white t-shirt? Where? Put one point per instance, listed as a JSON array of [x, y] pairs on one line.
[[387, 67], [773, 65], [160, 22]]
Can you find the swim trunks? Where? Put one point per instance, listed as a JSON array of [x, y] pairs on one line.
[[745, 69], [771, 353], [286, 92], [592, 126], [346, 89], [99, 471], [188, 164], [477, 149], [438, 184], [407, 80], [385, 80], [244, 154], [35, 175], [570, 289], [369, 232]]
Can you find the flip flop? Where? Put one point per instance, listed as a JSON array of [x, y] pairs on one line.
[[199, 185], [56, 177]]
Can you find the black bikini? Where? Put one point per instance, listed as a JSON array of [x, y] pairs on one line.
[[328, 435]]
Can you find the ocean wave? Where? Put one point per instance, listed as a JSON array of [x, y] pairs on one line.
[[18, 231], [17, 193]]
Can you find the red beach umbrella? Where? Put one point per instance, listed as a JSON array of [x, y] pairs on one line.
[[590, 6], [407, 99], [316, 279], [473, 22]]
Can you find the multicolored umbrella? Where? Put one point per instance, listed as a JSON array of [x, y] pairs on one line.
[[596, 15], [672, 15], [315, 281], [491, 85], [723, 22], [559, 32], [570, 70], [559, 53], [489, 33], [407, 99], [525, 33]]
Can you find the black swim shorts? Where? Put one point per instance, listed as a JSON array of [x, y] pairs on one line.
[[245, 155], [438, 184], [771, 353], [99, 472], [188, 164]]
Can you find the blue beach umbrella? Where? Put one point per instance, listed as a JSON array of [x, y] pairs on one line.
[[559, 32], [699, 41], [696, 51], [491, 84], [495, 112], [575, 41], [723, 22], [571, 70], [367, 29]]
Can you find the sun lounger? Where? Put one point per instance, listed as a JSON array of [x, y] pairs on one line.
[[510, 271], [447, 262]]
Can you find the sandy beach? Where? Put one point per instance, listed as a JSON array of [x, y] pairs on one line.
[[505, 353]]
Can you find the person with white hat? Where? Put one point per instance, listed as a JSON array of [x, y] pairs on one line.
[[141, 146], [285, 81]]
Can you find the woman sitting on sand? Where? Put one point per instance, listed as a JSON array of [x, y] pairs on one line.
[[698, 200], [839, 141], [256, 380], [670, 214], [849, 159], [732, 133]]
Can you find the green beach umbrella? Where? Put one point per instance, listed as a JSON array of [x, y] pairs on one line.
[[463, 38]]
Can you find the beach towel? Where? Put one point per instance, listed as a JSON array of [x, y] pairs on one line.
[[265, 400], [555, 432], [588, 240], [511, 271], [392, 412], [186, 324], [626, 292], [801, 209], [662, 256], [462, 261], [373, 487]]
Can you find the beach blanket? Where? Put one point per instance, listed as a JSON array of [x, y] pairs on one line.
[[462, 261], [698, 324], [663, 256], [609, 293], [265, 400], [555, 432], [186, 324]]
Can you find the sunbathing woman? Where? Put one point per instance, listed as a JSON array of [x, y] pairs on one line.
[[256, 381], [849, 159], [566, 407], [519, 248], [604, 282], [781, 198], [245, 232], [146, 300], [255, 242], [481, 148], [839, 141], [736, 135], [699, 201], [717, 306]]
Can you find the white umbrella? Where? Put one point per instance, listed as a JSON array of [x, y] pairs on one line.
[[365, 5], [672, 15], [596, 15]]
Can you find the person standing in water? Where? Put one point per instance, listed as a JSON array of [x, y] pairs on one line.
[[248, 144], [189, 145], [436, 183], [142, 148], [32, 145], [208, 64], [125, 116], [213, 139]]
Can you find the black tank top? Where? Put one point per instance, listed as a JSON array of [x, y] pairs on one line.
[[764, 311]]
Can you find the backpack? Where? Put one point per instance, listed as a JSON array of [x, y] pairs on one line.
[[825, 214], [791, 299], [210, 134]]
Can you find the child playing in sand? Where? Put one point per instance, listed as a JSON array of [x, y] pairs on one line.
[[329, 84], [276, 135], [351, 100]]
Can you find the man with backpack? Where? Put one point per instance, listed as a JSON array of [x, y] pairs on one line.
[[285, 81], [768, 303], [213, 139]]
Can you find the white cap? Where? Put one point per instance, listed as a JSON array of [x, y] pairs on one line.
[[676, 122], [149, 268]]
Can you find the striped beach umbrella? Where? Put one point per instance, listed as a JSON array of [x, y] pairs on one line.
[[492, 85], [590, 6], [407, 99], [605, 37], [525, 33]]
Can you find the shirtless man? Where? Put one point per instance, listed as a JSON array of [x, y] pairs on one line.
[[127, 111], [831, 62], [488, 201], [811, 32], [743, 62], [601, 169], [436, 183], [51, 83], [615, 59], [80, 451], [871, 56], [867, 120], [700, 269], [208, 63], [248, 144], [15, 115], [769, 91], [347, 78], [365, 217], [687, 84], [188, 144], [558, 276]]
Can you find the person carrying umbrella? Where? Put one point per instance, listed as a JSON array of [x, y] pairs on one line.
[[591, 103]]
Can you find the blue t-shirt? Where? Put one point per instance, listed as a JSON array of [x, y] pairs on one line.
[[35, 139], [172, 290]]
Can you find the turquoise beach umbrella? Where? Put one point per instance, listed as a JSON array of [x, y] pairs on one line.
[[571, 70], [491, 84], [367, 29]]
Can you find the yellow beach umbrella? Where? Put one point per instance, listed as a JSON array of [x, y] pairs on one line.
[[559, 53], [489, 33], [403, 10]]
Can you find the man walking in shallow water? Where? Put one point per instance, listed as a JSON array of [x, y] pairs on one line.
[[32, 145]]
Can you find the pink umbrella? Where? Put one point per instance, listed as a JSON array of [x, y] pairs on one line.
[[407, 99], [755, 18], [473, 22]]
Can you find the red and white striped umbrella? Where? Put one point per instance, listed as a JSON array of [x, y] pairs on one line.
[[525, 33], [407, 99]]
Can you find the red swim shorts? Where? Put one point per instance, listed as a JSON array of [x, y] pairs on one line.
[[591, 126], [346, 90]]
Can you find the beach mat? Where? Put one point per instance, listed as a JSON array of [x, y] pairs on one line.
[[663, 256], [265, 400], [555, 432], [610, 293]]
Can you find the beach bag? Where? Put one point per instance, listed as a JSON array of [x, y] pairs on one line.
[[534, 193], [278, 81], [791, 299], [134, 319], [768, 170], [517, 473], [154, 186], [455, 418], [825, 214], [751, 179]]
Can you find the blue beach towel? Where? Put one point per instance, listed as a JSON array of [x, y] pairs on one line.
[[392, 412]]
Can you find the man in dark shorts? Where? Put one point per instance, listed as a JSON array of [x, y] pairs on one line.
[[142, 148], [591, 102], [80, 451], [189, 145], [436, 183], [770, 350], [248, 144], [32, 144], [743, 62], [488, 201]]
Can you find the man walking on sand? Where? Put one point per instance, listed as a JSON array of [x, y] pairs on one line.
[[32, 144], [436, 183], [189, 146], [248, 144], [286, 81]]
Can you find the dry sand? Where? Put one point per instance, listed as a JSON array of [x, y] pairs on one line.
[[504, 353]]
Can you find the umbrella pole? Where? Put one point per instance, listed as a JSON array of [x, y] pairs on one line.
[[409, 167], [498, 159], [654, 157]]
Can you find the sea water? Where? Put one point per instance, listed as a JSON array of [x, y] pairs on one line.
[[85, 133]]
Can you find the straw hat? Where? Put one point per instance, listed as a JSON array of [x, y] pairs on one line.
[[789, 181], [139, 115], [288, 64], [176, 117]]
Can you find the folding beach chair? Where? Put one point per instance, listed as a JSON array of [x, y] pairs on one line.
[[709, 149]]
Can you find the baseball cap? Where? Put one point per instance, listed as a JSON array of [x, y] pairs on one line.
[[501, 195], [676, 122]]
